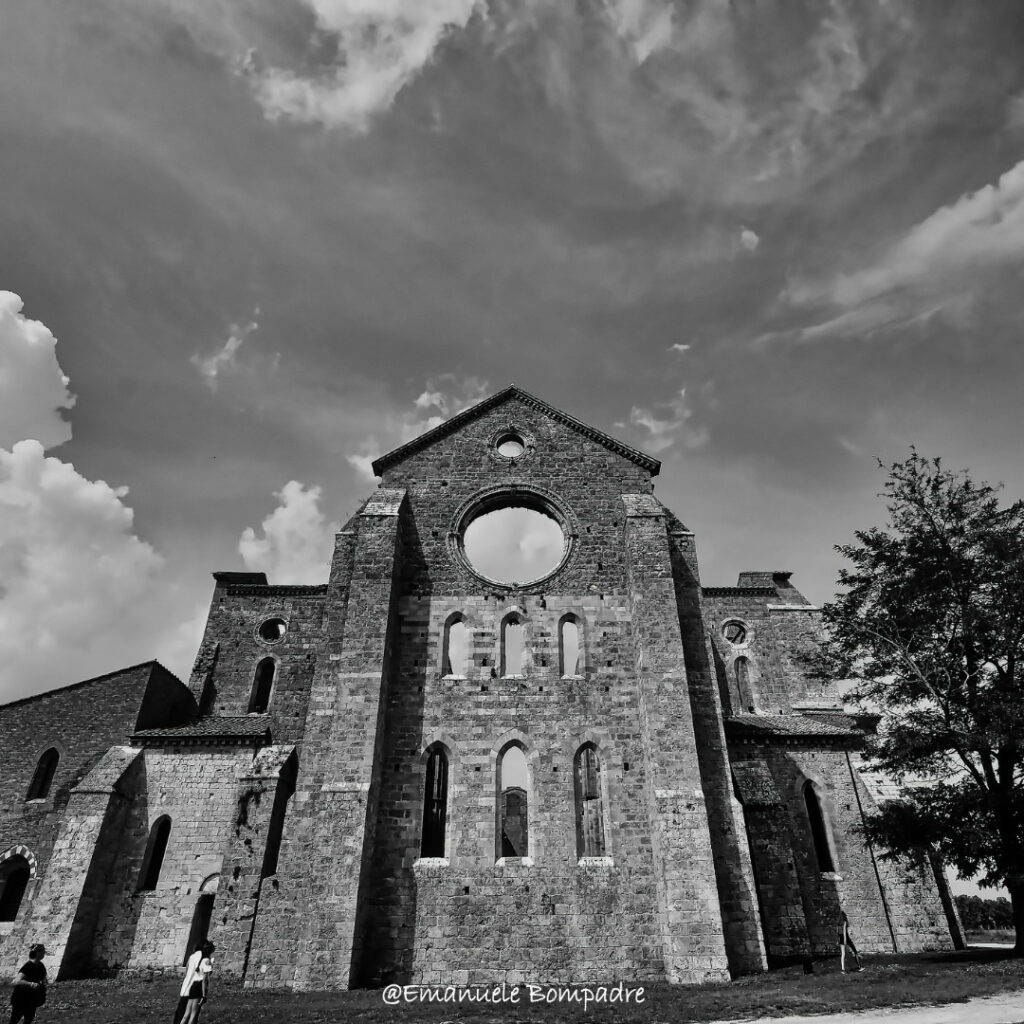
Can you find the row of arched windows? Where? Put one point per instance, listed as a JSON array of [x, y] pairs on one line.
[[456, 656], [512, 812]]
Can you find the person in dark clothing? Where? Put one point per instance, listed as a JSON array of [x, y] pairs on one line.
[[846, 942], [29, 990]]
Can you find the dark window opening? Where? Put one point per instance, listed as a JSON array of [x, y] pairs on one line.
[[262, 684], [435, 804], [590, 840], [272, 630], [14, 878], [819, 832], [39, 788], [154, 856], [743, 693]]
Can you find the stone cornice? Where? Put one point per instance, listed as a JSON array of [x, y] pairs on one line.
[[271, 590]]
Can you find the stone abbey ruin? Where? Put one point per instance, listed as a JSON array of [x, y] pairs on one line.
[[420, 772]]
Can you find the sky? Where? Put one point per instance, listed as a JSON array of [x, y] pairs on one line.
[[246, 246]]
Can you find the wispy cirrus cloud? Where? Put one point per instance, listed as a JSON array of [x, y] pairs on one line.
[[941, 266], [442, 397], [225, 360], [668, 423], [375, 48]]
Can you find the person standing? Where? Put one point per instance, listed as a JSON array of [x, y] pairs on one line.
[[195, 985], [29, 992], [846, 942]]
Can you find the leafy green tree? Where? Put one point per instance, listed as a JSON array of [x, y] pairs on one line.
[[930, 622]]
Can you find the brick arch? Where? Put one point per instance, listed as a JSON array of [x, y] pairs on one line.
[[22, 851]]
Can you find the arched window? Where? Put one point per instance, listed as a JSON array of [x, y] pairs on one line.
[[262, 684], [570, 651], [15, 873], [39, 788], [589, 802], [154, 857], [819, 831], [513, 824], [512, 646], [455, 658], [435, 803], [744, 693]]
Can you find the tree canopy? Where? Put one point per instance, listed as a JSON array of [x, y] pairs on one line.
[[930, 623]]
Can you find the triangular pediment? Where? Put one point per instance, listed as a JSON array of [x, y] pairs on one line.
[[499, 398]]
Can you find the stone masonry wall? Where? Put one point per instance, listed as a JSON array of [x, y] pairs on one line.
[[232, 649], [82, 722], [148, 931], [733, 870], [470, 918], [906, 904]]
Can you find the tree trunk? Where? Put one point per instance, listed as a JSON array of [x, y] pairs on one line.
[[1015, 884]]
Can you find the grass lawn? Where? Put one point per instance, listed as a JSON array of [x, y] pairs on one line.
[[925, 978]]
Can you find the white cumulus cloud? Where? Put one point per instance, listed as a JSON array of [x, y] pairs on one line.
[[297, 539], [80, 593], [32, 387]]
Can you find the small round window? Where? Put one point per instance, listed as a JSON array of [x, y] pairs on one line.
[[272, 631], [734, 632], [510, 446]]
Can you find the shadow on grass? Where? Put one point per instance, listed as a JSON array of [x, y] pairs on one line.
[[929, 978]]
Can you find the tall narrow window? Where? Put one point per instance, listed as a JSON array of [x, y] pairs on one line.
[[569, 646], [512, 646], [819, 832], [154, 857], [435, 803], [262, 684], [589, 803], [743, 690], [456, 647], [39, 788], [15, 873], [513, 804]]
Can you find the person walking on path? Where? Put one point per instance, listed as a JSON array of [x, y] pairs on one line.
[[29, 992], [846, 942], [196, 985]]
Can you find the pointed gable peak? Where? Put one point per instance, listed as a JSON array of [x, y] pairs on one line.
[[506, 394]]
